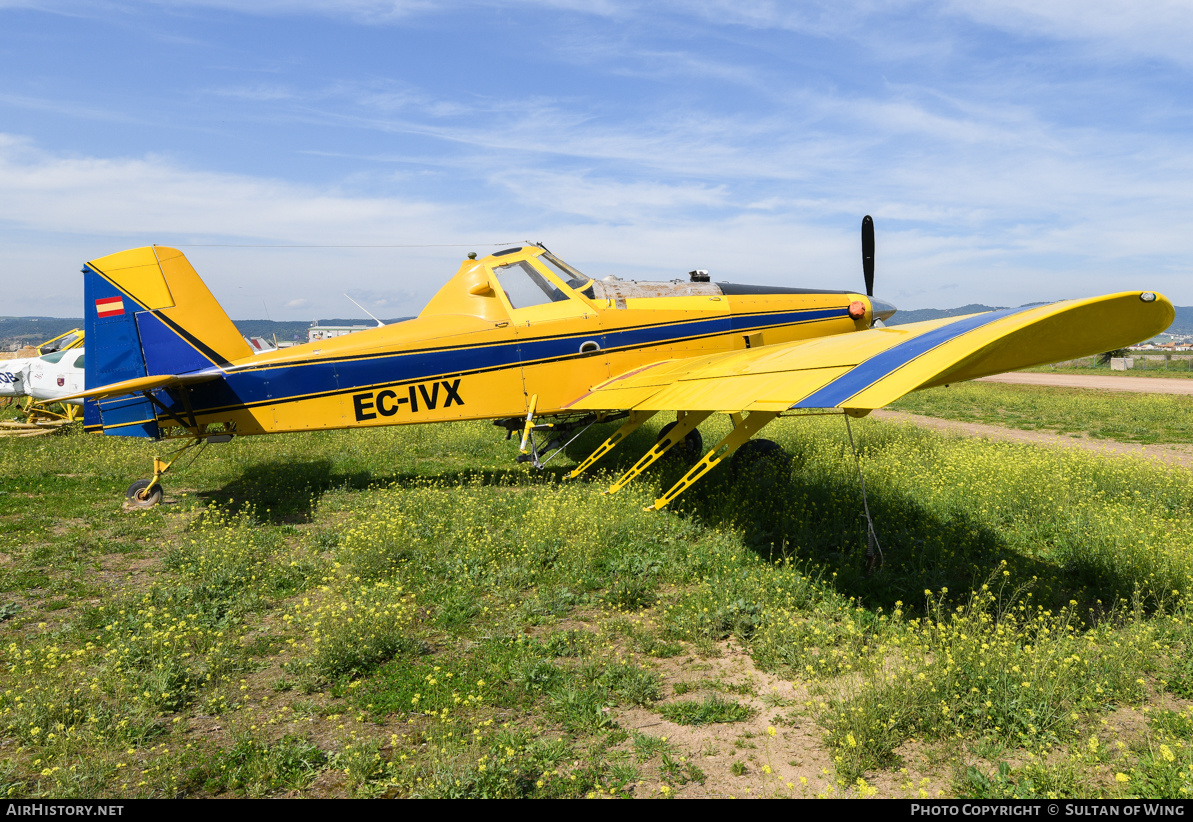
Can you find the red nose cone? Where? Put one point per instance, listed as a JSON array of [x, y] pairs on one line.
[[857, 309]]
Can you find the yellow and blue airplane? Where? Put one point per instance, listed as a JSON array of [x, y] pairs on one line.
[[523, 338]]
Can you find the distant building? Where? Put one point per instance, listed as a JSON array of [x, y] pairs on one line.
[[326, 332]]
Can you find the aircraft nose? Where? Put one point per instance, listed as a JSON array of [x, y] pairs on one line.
[[882, 309]]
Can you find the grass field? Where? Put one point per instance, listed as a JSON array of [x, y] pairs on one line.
[[404, 612], [1180, 366], [1122, 416]]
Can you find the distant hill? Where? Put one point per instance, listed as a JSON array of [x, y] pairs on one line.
[[917, 315], [18, 331], [1183, 324]]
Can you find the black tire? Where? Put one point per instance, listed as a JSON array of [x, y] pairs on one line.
[[756, 457], [690, 450], [138, 497]]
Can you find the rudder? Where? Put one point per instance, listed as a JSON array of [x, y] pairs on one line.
[[148, 313]]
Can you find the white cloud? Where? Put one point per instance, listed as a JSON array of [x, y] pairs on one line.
[[975, 174], [615, 201], [59, 210], [153, 196], [1150, 28], [363, 11]]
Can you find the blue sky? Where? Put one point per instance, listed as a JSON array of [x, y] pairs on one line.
[[1010, 151]]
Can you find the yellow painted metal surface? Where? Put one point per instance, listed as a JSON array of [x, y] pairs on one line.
[[1045, 334], [161, 279], [457, 297], [1096, 325], [750, 426], [137, 273], [778, 377], [117, 389], [472, 310], [196, 308], [607, 346], [488, 395], [556, 348]]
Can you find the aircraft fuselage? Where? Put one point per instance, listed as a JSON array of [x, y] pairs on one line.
[[473, 354]]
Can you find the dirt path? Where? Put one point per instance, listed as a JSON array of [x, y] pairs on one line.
[[1171, 454], [1140, 385]]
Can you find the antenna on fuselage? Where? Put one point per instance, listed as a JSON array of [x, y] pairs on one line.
[[362, 308]]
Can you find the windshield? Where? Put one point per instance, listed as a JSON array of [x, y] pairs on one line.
[[526, 287], [58, 344], [565, 272]]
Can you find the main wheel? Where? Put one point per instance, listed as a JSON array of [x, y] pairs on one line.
[[690, 449], [757, 456], [141, 496]]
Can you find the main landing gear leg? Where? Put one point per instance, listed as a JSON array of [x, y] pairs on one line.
[[750, 426], [684, 425], [147, 493], [628, 427]]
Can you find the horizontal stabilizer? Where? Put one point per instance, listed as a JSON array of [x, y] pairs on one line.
[[139, 384], [872, 368]]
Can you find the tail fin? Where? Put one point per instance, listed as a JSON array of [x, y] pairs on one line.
[[147, 313]]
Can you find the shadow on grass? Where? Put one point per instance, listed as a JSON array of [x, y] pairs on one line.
[[787, 511], [282, 493]]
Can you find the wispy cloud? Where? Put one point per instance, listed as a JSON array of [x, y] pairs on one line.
[[1145, 28], [747, 137], [154, 196], [363, 11], [257, 92], [74, 109], [613, 201]]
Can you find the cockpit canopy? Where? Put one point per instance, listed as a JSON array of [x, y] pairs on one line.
[[522, 277], [526, 285]]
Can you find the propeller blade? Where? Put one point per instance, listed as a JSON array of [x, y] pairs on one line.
[[868, 253]]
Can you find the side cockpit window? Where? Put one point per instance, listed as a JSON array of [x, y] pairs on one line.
[[526, 287]]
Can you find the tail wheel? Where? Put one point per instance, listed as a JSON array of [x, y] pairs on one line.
[[140, 495], [690, 449]]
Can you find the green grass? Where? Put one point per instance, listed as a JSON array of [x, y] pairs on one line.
[[404, 612], [1180, 366], [1121, 416], [712, 709]]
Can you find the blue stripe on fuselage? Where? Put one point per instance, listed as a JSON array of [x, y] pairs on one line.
[[270, 384], [866, 373], [747, 322]]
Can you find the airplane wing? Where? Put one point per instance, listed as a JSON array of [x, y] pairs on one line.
[[870, 369]]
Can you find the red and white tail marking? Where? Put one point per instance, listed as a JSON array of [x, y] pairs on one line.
[[109, 306]]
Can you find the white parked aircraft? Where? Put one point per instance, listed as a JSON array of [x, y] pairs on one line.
[[55, 375], [14, 373]]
